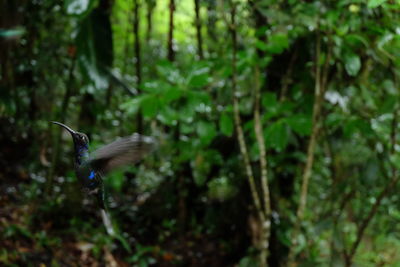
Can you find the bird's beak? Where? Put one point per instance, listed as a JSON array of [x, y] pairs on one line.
[[72, 132]]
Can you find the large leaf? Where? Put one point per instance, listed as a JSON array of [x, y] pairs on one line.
[[375, 3], [95, 47], [149, 106], [276, 135], [168, 115], [132, 105], [269, 100], [395, 160], [226, 124], [78, 7], [352, 64], [277, 43], [199, 80], [171, 93], [300, 123], [206, 131]]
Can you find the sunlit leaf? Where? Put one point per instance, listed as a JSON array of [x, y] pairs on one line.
[[352, 64], [95, 47], [277, 43], [133, 105], [395, 159], [261, 45], [168, 115], [375, 3], [206, 131], [77, 7]]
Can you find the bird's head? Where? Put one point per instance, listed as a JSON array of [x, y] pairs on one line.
[[80, 139]]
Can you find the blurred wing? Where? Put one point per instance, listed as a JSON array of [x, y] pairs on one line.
[[126, 150]]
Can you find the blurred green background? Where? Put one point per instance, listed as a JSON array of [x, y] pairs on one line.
[[277, 123]]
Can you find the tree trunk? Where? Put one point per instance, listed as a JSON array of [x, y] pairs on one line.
[[138, 65], [151, 4], [198, 28], [62, 116], [170, 45]]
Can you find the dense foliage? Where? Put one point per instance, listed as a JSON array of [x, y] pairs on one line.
[[277, 123]]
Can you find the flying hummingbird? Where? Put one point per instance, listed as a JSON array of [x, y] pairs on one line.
[[90, 168]]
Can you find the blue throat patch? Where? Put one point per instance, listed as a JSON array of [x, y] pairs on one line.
[[92, 175]]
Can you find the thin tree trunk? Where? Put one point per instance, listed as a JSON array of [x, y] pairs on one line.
[[149, 18], [211, 19], [310, 156], [138, 65], [260, 22], [263, 246], [287, 78], [170, 45], [62, 116], [198, 28], [266, 224]]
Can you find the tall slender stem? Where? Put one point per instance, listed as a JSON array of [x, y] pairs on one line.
[[310, 155]]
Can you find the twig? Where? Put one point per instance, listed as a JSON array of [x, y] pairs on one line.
[[286, 79]]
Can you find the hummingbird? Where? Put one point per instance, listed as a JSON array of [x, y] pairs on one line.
[[90, 168]]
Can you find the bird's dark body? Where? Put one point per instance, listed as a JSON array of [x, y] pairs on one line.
[[87, 176], [91, 167], [91, 181]]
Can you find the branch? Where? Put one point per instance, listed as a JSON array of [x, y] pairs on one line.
[[238, 122], [310, 153], [287, 78], [395, 178], [261, 146]]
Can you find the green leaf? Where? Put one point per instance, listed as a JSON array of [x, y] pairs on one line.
[[199, 80], [199, 178], [388, 105], [276, 135], [301, 124], [149, 106], [206, 131], [352, 64], [168, 116], [375, 3], [269, 100], [261, 45], [95, 47], [277, 43], [170, 94], [77, 7], [132, 106], [226, 124], [354, 125]]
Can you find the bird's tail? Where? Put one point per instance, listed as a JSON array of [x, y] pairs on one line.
[[107, 222]]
